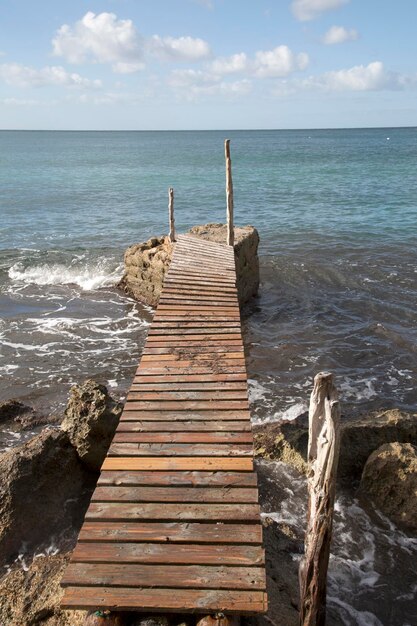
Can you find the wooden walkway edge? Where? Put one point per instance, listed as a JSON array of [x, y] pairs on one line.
[[174, 522]]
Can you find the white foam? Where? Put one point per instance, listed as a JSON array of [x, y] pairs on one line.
[[89, 277], [359, 389]]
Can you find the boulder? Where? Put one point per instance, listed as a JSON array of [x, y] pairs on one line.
[[31, 596], [287, 440], [20, 416], [145, 267], [90, 420], [389, 479], [147, 263], [43, 494]]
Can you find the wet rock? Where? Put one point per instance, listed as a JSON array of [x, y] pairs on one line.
[[21, 416], [150, 620], [147, 263], [31, 596], [43, 493], [90, 420], [145, 267], [389, 479], [287, 441]]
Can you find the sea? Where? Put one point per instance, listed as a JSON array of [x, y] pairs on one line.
[[336, 213]]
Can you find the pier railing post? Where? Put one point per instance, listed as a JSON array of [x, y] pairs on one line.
[[229, 194], [171, 214], [323, 456]]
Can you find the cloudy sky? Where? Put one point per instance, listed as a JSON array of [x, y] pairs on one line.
[[207, 64]]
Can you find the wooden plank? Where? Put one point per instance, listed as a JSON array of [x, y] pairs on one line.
[[187, 405], [170, 369], [198, 347], [157, 415], [174, 494], [191, 379], [187, 394], [178, 479], [161, 600], [140, 383], [166, 576], [166, 329], [216, 357], [172, 532], [183, 425], [239, 464], [173, 512], [192, 339], [179, 449], [210, 554], [184, 437]]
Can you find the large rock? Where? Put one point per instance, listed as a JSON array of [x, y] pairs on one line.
[[43, 494], [145, 267], [389, 478], [20, 416], [287, 441], [90, 420], [147, 263], [31, 596]]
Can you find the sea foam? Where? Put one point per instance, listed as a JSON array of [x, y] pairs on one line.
[[88, 277]]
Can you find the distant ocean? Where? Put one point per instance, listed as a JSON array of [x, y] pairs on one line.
[[336, 212]]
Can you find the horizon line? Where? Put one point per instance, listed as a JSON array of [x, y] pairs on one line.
[[194, 130]]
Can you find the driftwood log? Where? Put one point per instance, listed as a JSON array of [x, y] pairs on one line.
[[171, 214], [323, 454], [229, 194]]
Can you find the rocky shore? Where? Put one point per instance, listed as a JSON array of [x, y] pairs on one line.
[[47, 482]]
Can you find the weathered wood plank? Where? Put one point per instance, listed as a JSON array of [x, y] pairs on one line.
[[178, 576], [187, 394], [142, 384], [180, 449], [184, 437], [160, 600], [239, 464], [186, 405], [180, 426], [158, 414], [210, 554], [174, 494], [178, 479]]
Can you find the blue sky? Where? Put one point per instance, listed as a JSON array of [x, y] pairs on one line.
[[207, 64]]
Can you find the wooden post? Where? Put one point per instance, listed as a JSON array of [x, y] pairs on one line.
[[229, 194], [171, 214], [323, 456]]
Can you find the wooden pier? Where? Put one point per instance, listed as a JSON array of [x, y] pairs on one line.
[[174, 522]]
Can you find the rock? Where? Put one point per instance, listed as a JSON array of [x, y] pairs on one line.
[[90, 420], [106, 618], [44, 492], [150, 620], [147, 263], [145, 267], [21, 416], [287, 441], [389, 479], [31, 596]]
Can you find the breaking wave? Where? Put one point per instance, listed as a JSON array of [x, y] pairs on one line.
[[89, 276]]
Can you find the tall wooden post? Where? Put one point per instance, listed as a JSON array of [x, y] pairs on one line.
[[229, 194], [171, 214], [323, 456]]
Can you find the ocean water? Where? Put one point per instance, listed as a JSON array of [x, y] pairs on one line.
[[336, 212]]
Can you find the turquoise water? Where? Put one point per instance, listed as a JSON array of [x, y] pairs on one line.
[[336, 212]]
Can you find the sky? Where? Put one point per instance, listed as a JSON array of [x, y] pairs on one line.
[[207, 64]]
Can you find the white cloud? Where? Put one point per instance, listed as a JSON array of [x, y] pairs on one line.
[[280, 61], [103, 38], [339, 34], [306, 10], [178, 49], [100, 38], [25, 76], [276, 63], [372, 77], [230, 65], [193, 84]]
